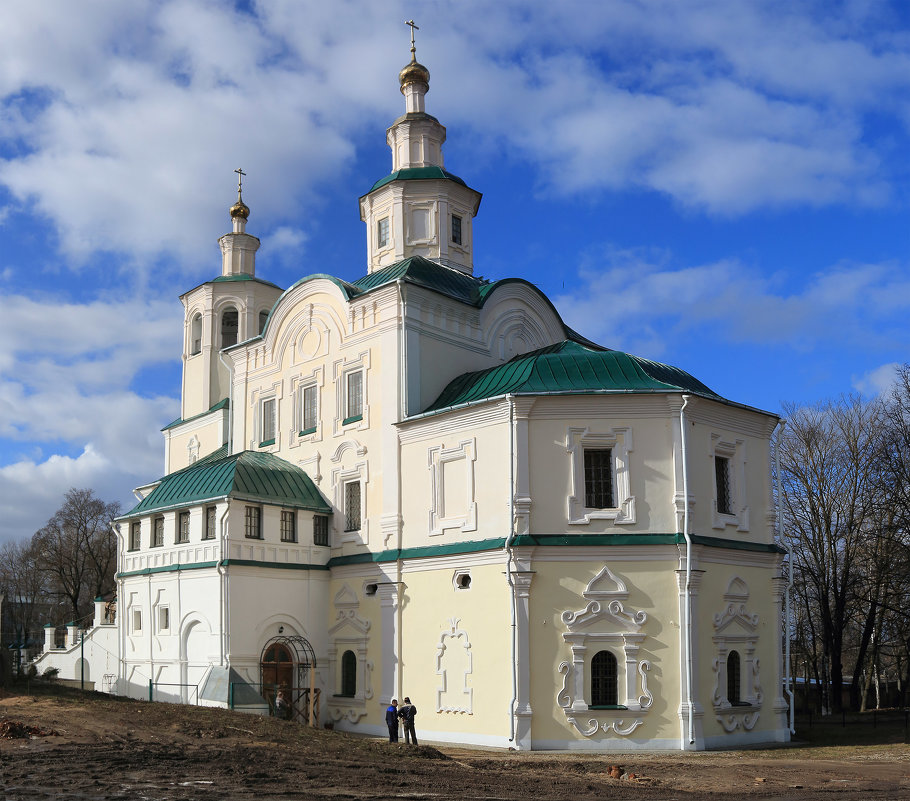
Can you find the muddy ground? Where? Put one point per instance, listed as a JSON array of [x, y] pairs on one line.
[[110, 748]]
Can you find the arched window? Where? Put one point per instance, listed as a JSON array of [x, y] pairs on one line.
[[733, 682], [196, 335], [603, 679], [229, 327], [263, 319], [348, 674]]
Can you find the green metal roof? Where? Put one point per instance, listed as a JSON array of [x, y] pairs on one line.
[[222, 404], [247, 475], [569, 368], [230, 279], [417, 174]]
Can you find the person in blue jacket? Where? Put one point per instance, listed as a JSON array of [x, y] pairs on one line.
[[391, 720]]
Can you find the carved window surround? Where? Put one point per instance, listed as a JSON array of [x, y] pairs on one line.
[[735, 451], [456, 637], [441, 518], [350, 633], [619, 440]]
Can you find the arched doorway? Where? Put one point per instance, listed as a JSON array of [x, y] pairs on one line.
[[289, 664]]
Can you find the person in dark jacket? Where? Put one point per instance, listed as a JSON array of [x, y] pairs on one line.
[[407, 713], [391, 720]]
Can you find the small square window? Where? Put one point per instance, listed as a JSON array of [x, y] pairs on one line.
[[309, 399], [599, 478], [456, 229], [164, 618], [353, 397], [722, 482], [382, 232], [320, 530], [253, 523], [183, 528], [352, 506], [268, 422], [135, 535], [288, 526], [209, 523], [158, 532]]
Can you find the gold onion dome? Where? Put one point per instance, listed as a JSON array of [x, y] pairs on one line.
[[414, 72], [240, 209]]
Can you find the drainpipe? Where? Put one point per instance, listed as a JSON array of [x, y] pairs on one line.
[[230, 368], [788, 681], [223, 584], [509, 560], [403, 413], [687, 624]]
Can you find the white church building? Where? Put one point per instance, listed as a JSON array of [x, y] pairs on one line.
[[424, 483]]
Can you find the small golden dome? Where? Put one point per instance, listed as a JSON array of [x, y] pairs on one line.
[[240, 209], [414, 72]]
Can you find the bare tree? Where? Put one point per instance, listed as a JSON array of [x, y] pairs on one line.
[[78, 549], [26, 602]]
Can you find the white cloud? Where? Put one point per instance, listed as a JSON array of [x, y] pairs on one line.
[[878, 381]]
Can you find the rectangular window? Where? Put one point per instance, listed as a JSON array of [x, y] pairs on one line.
[[253, 523], [137, 620], [183, 528], [309, 409], [352, 506], [288, 526], [268, 422], [209, 523], [320, 530], [164, 618], [382, 232], [599, 478], [456, 229], [353, 397], [135, 535], [722, 480], [158, 532]]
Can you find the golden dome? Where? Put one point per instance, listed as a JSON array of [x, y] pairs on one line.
[[414, 72], [240, 209]]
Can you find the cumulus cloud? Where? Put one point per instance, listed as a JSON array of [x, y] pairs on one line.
[[879, 381]]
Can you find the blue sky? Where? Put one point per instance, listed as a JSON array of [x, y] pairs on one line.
[[720, 185]]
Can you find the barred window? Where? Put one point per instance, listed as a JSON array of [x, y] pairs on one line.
[[733, 680], [309, 410], [158, 532], [456, 229], [320, 530], [353, 396], [229, 327], [135, 535], [599, 478], [209, 523], [288, 526], [352, 506], [349, 674], [253, 523], [183, 528], [722, 481], [604, 680]]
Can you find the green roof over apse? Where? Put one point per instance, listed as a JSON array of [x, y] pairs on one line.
[[569, 368], [248, 475], [417, 174]]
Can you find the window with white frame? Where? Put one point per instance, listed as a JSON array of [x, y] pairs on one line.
[[604, 680], [135, 535], [196, 335], [158, 532], [230, 326], [353, 396], [382, 233], [253, 523], [320, 530], [137, 620], [263, 319], [288, 525], [730, 506], [309, 409], [267, 421], [352, 506], [209, 523], [183, 528], [600, 487], [164, 618], [456, 229]]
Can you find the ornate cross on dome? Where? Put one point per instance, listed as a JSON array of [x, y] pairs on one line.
[[240, 174], [414, 27]]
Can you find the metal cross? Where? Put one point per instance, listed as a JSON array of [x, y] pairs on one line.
[[240, 174], [414, 27]]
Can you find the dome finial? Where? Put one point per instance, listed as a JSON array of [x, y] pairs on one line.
[[240, 209], [414, 78], [414, 27]]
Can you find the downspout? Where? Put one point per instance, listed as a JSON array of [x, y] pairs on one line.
[[509, 560], [230, 368], [402, 413], [788, 680], [121, 608], [687, 597], [224, 609]]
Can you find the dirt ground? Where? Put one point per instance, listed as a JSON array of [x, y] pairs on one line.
[[110, 748]]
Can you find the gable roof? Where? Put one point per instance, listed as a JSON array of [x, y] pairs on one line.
[[248, 475], [569, 368]]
